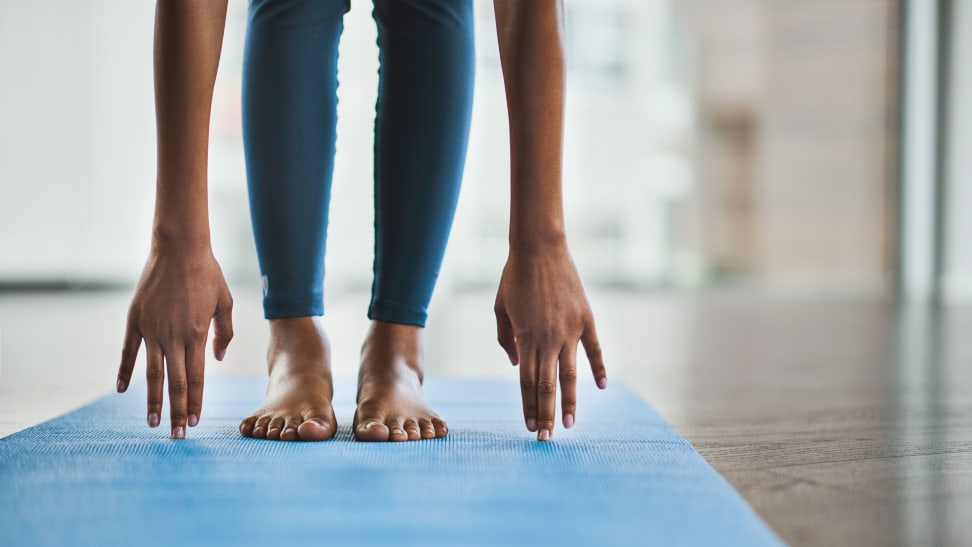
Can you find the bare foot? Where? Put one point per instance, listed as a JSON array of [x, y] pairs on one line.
[[298, 401], [391, 405]]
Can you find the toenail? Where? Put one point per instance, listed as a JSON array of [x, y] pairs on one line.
[[569, 421], [531, 424], [544, 435], [193, 420], [178, 432], [153, 419]]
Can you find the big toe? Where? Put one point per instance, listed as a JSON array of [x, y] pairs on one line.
[[371, 430], [315, 429]]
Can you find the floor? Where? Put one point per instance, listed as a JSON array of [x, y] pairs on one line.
[[843, 420]]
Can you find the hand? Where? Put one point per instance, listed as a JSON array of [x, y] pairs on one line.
[[177, 296], [541, 314]]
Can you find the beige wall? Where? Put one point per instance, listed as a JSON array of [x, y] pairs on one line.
[[796, 121]]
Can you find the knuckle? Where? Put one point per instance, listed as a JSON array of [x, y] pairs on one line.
[[154, 374], [568, 375], [545, 422], [594, 351], [196, 381], [177, 387], [546, 388], [528, 383]]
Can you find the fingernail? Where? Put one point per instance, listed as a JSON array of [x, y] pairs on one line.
[[569, 421], [531, 424], [153, 419], [602, 383], [178, 432], [544, 435], [120, 386], [220, 356], [193, 420]]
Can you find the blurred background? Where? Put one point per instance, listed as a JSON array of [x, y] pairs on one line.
[[709, 142], [768, 201]]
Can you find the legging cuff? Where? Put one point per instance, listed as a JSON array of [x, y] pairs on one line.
[[293, 307], [391, 312]]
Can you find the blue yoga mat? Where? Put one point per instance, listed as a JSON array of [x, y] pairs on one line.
[[623, 476]]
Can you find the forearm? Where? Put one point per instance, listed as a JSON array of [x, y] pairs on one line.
[[188, 40], [531, 42]]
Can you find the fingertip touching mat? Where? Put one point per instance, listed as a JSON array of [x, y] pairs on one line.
[[622, 476]]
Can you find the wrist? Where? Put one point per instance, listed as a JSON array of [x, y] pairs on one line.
[[180, 240], [537, 242]]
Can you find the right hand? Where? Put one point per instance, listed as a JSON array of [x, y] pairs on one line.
[[177, 297]]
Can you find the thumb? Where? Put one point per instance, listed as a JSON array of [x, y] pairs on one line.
[[504, 330], [222, 325]]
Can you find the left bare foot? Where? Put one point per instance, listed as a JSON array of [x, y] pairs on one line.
[[391, 405]]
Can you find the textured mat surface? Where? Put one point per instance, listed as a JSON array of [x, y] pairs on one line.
[[622, 476]]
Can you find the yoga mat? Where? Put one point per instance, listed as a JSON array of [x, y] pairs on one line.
[[622, 476]]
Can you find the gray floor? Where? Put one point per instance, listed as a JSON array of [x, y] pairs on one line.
[[842, 420]]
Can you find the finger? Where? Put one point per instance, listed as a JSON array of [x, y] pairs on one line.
[[175, 367], [129, 354], [195, 374], [155, 377], [593, 350], [504, 330], [568, 383], [528, 386], [222, 325], [547, 395]]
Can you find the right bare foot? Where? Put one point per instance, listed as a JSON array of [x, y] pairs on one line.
[[298, 401]]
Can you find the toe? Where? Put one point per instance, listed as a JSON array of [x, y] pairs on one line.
[[441, 429], [274, 428], [428, 430], [314, 429], [370, 429], [246, 426], [260, 427], [396, 430], [412, 430], [289, 432]]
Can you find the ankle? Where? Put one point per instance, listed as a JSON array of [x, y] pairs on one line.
[[393, 340], [392, 348]]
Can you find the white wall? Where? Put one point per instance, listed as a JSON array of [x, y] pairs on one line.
[[957, 278], [77, 158]]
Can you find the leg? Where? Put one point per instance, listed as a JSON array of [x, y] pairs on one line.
[[421, 130], [289, 114]]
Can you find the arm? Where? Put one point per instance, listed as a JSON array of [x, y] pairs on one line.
[[541, 309], [181, 289]]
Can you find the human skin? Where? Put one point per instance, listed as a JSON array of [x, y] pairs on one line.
[[541, 308], [181, 290]]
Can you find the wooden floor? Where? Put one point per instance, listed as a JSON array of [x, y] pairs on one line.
[[842, 420]]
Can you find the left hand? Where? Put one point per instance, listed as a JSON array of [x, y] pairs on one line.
[[541, 314]]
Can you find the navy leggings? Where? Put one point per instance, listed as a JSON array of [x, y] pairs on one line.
[[421, 128]]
